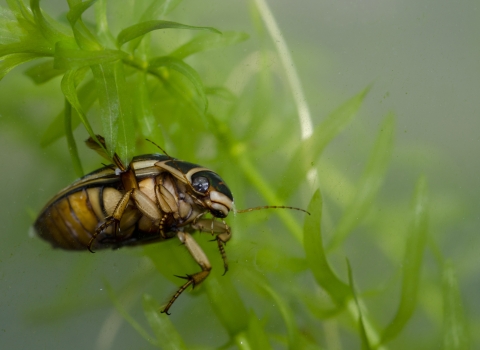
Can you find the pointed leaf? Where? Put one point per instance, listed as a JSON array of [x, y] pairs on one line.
[[68, 57], [43, 72], [72, 146], [126, 123], [47, 29], [363, 332], [85, 39], [143, 28], [412, 262], [369, 185], [311, 149], [69, 89], [106, 86], [316, 257], [184, 69], [135, 325], [455, 328], [86, 95], [162, 327], [207, 42], [256, 334], [11, 61]]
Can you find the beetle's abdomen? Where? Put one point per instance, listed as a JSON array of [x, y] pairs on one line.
[[70, 222]]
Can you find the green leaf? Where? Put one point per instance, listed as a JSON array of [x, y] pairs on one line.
[[119, 307], [207, 42], [310, 149], [11, 61], [51, 32], [412, 262], [86, 96], [149, 127], [110, 106], [369, 185], [316, 257], [69, 89], [103, 30], [143, 28], [72, 146], [31, 46], [363, 332], [227, 303], [85, 39], [43, 72], [68, 57], [455, 329], [162, 327], [256, 335], [285, 311], [184, 69], [126, 123]]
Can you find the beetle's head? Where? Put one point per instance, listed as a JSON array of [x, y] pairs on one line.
[[213, 192]]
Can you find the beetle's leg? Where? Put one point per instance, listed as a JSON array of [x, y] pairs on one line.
[[223, 235], [114, 218], [202, 260]]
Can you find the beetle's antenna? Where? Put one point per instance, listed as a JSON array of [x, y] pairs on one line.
[[270, 207]]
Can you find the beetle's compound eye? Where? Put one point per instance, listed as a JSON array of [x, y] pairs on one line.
[[201, 184]]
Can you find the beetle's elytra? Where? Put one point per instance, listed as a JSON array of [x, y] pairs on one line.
[[153, 199]]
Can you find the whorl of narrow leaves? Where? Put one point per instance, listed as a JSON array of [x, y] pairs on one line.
[[33, 34]]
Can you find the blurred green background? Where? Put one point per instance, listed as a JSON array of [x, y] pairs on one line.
[[421, 59]]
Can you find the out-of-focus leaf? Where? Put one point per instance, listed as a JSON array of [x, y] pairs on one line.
[[109, 100], [20, 10], [43, 72], [316, 257], [159, 8], [85, 39], [412, 262], [143, 28], [149, 127], [184, 69], [51, 32], [103, 30], [455, 330], [72, 145], [207, 42], [135, 325], [69, 89], [369, 185], [283, 308], [27, 46], [227, 303], [361, 325], [220, 92], [86, 95], [11, 61], [126, 124], [167, 336], [310, 149], [256, 334], [68, 57]]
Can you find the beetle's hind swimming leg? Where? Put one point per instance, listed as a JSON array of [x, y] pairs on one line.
[[112, 219], [197, 253]]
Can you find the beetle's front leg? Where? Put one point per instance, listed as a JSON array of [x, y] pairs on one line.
[[202, 260], [222, 232]]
